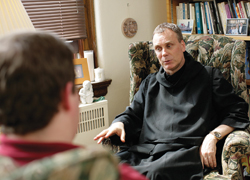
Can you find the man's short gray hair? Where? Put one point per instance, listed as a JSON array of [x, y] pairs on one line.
[[162, 27]]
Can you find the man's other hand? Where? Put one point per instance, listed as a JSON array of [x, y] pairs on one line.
[[208, 151], [116, 128]]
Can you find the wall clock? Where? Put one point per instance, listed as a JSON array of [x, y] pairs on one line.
[[129, 27]]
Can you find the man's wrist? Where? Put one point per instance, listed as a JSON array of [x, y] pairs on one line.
[[216, 134]]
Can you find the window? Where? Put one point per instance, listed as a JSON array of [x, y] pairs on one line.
[[64, 17], [71, 19]]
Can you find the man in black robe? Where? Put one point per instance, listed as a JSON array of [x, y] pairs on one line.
[[179, 115]]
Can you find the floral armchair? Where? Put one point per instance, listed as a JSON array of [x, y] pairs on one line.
[[221, 52]]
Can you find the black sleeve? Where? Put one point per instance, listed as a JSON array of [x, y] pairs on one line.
[[231, 108], [132, 117]]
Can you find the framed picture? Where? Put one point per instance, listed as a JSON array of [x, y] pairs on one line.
[[186, 25], [237, 27], [81, 70]]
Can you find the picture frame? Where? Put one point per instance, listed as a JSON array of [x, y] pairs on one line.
[[237, 27], [186, 25], [81, 70]]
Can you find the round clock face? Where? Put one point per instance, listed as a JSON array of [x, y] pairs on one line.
[[129, 27]]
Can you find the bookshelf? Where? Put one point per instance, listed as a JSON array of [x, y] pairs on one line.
[[171, 11]]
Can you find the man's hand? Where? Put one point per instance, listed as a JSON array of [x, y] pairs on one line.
[[116, 128], [208, 151]]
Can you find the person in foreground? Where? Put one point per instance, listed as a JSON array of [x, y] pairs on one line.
[[39, 114], [179, 116]]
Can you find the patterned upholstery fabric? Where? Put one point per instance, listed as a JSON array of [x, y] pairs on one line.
[[221, 52], [75, 164]]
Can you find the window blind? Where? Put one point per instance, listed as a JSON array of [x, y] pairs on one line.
[[65, 17]]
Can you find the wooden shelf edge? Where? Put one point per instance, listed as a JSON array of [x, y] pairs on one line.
[[99, 88], [244, 38]]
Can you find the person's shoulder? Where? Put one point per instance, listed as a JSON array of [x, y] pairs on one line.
[[98, 163], [7, 166], [73, 164]]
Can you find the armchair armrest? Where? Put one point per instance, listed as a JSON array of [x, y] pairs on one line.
[[236, 153], [106, 143]]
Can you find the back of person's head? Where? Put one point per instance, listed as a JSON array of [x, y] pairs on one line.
[[34, 69], [164, 26]]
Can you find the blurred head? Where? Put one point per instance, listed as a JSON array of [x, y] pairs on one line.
[[34, 70], [169, 47]]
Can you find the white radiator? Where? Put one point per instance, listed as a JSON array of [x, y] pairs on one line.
[[93, 118]]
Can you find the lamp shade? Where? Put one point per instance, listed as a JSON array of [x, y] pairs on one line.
[[13, 16]]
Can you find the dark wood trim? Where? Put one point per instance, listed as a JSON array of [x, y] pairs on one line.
[[90, 25], [81, 48]]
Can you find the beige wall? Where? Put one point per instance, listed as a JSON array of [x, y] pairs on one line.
[[112, 45]]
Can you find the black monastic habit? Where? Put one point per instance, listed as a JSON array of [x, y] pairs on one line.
[[171, 115]]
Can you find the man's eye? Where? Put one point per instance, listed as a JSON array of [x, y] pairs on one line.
[[158, 49], [169, 46]]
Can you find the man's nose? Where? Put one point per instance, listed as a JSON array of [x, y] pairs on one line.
[[164, 52]]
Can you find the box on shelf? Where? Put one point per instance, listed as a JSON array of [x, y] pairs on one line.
[[93, 118]]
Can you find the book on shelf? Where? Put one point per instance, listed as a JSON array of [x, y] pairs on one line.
[[213, 18], [210, 26], [192, 16], [183, 10], [243, 10], [180, 10], [188, 10], [198, 18], [248, 5], [236, 10], [203, 18], [206, 15], [177, 12], [247, 9], [238, 5], [227, 11], [218, 20], [223, 15], [230, 5]]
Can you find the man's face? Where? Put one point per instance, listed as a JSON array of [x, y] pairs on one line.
[[169, 51]]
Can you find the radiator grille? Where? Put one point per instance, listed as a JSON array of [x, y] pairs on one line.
[[92, 119]]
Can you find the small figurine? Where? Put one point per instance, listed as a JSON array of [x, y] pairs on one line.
[[86, 93]]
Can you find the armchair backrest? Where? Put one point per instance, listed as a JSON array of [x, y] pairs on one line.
[[221, 52]]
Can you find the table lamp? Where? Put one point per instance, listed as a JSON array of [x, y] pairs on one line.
[[13, 16]]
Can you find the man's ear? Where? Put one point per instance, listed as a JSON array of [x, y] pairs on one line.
[[183, 46], [65, 95]]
